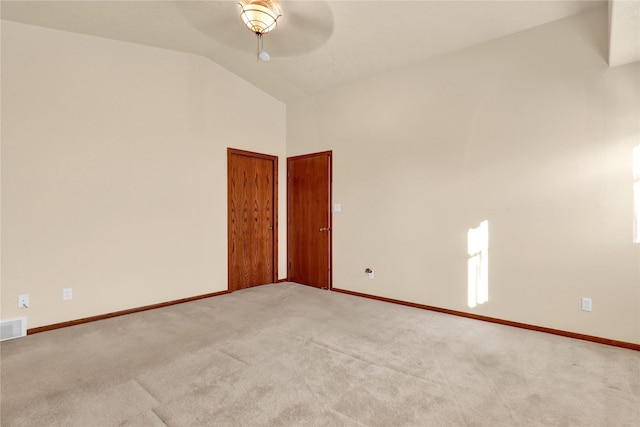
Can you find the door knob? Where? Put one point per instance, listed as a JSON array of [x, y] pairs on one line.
[[270, 228], [324, 229]]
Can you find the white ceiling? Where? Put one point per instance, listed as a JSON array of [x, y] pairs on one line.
[[318, 44]]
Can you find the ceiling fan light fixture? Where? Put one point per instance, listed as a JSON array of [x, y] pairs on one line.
[[260, 16]]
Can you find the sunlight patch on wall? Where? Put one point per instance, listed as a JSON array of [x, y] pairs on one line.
[[478, 264], [636, 195]]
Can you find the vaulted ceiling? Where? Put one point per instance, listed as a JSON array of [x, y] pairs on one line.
[[321, 44]]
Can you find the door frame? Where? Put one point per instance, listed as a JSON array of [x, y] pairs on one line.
[[330, 254], [274, 249]]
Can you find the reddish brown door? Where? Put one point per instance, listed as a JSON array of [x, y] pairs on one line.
[[252, 212], [309, 219]]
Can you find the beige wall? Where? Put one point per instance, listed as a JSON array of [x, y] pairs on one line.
[[114, 172], [114, 175], [532, 132]]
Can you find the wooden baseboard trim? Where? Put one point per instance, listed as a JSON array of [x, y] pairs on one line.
[[120, 313], [606, 341]]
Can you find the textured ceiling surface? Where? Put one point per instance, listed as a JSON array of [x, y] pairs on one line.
[[317, 45]]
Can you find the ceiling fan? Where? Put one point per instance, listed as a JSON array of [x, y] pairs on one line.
[[302, 26], [260, 17]]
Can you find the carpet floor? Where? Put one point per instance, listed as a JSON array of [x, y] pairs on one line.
[[292, 355]]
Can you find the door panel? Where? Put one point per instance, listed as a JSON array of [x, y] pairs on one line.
[[252, 204], [309, 219]]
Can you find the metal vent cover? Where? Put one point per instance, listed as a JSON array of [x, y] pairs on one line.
[[13, 328]]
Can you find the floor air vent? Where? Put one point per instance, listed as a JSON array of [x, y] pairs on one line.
[[13, 328]]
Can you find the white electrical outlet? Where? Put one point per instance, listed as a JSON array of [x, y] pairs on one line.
[[586, 304], [23, 301], [67, 294]]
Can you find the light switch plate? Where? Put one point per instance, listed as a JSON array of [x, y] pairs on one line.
[[23, 301]]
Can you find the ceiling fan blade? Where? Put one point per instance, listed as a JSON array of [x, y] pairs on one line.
[[304, 27], [218, 20]]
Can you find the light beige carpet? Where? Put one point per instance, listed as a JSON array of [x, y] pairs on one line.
[[291, 355]]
